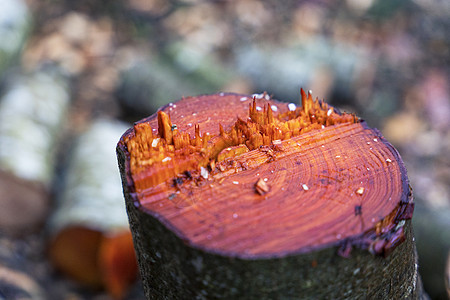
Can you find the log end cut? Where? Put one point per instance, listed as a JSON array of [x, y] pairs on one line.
[[254, 179], [268, 184]]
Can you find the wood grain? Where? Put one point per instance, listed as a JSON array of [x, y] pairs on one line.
[[337, 184]]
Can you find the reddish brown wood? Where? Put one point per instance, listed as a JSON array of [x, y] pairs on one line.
[[195, 166], [24, 198], [96, 259]]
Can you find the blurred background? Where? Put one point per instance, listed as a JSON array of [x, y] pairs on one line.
[[75, 74]]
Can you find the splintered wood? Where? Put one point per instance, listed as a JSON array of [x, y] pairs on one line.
[[159, 157], [292, 174], [261, 187]]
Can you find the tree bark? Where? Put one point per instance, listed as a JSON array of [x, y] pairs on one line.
[[235, 225]]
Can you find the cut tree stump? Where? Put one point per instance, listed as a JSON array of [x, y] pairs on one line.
[[233, 197]]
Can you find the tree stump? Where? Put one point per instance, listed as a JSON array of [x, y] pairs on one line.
[[233, 197]]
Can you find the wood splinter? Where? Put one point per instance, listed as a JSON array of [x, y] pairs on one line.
[[261, 187], [201, 228]]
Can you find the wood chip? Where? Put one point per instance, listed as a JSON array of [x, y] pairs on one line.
[[261, 187]]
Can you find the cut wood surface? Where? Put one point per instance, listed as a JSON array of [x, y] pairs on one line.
[[271, 186]]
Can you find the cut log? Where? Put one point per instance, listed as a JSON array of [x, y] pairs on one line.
[[15, 26], [91, 240], [234, 197], [32, 111]]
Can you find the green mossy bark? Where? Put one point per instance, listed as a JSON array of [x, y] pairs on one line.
[[172, 269]]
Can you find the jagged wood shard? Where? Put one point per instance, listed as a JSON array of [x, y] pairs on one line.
[[256, 180]]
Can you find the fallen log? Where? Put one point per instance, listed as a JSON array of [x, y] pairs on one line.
[[32, 112], [90, 236], [234, 197]]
